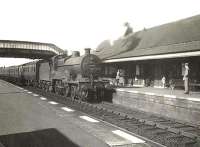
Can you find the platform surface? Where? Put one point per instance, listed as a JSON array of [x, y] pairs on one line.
[[28, 119], [176, 93]]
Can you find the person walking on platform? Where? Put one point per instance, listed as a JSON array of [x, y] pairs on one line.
[[163, 82], [186, 78]]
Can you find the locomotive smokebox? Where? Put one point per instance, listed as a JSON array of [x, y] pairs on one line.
[[75, 54], [87, 51]]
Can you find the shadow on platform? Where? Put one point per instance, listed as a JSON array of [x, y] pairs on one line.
[[41, 138]]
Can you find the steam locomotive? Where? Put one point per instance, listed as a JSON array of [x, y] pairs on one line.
[[75, 76]]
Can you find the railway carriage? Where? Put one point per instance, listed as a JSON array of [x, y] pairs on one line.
[[3, 72], [28, 73], [12, 73]]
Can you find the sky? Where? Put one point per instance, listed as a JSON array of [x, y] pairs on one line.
[[79, 24]]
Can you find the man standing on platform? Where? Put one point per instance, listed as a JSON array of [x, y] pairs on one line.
[[117, 77], [186, 79]]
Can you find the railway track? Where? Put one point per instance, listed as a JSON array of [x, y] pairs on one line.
[[187, 129], [167, 132]]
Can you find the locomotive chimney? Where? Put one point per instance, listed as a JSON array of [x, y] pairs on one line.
[[87, 51], [75, 54]]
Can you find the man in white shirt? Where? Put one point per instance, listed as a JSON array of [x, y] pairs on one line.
[[186, 78]]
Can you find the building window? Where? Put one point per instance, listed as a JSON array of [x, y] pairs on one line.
[[110, 71]]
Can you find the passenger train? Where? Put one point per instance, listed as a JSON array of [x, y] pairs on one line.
[[75, 76]]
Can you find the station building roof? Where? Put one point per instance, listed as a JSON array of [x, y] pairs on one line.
[[177, 39]]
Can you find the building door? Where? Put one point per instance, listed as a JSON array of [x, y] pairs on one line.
[[158, 74], [148, 73]]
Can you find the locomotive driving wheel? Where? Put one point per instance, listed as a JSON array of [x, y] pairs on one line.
[[50, 88], [56, 90], [67, 90], [84, 93], [100, 93], [73, 92]]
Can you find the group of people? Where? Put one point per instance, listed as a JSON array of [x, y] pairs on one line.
[[120, 81]]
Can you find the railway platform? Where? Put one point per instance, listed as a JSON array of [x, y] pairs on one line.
[[165, 102], [29, 119]]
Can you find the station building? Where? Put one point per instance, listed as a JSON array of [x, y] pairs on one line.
[[146, 56]]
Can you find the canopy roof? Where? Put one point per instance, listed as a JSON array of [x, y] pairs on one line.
[[172, 38]]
